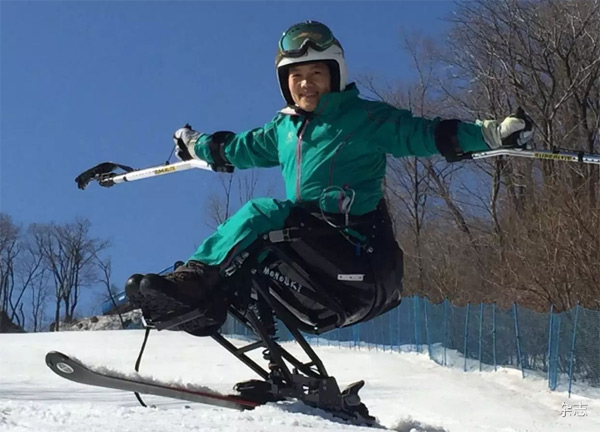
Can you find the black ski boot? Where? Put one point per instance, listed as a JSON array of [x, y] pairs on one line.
[[192, 286], [132, 290]]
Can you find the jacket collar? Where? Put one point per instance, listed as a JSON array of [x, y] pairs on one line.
[[328, 103]]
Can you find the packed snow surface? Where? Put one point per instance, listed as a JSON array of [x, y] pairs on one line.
[[406, 391]]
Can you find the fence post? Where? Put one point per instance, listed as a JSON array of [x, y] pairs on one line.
[[425, 303], [573, 347], [494, 335], [399, 328], [466, 336], [411, 316], [518, 337], [417, 325], [375, 337], [554, 363], [382, 327], [445, 329], [550, 344], [391, 328], [480, 331]]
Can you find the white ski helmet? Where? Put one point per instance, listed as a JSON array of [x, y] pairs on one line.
[[308, 42]]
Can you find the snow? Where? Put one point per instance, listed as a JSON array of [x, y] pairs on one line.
[[406, 391], [132, 319]]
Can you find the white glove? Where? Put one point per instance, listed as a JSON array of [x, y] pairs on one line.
[[185, 140], [514, 132]]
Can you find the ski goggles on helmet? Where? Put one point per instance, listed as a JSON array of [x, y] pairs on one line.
[[298, 38]]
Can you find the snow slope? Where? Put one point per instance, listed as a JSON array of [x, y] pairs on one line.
[[405, 391]]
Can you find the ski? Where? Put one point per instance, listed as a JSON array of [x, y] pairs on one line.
[[76, 371]]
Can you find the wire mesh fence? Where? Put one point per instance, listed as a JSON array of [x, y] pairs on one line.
[[565, 347]]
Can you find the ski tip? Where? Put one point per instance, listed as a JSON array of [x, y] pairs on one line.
[[55, 355], [58, 362]]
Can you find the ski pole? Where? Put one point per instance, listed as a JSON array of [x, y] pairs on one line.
[[557, 155], [159, 170], [104, 175]]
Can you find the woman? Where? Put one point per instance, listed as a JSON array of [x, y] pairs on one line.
[[331, 146]]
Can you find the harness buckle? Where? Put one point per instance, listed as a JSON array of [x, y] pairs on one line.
[[283, 235]]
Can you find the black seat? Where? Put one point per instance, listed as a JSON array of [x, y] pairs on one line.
[[318, 277]]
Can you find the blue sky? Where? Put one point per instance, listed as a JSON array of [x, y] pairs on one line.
[[82, 82]]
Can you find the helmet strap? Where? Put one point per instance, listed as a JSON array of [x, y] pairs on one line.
[[334, 73]]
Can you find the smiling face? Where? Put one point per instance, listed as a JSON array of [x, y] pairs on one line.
[[307, 83]]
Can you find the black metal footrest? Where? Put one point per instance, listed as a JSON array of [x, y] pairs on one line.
[[323, 393], [350, 395], [168, 322], [257, 391]]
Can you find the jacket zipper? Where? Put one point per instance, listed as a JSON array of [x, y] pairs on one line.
[[299, 158]]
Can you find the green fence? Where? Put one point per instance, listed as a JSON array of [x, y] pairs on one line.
[[563, 346]]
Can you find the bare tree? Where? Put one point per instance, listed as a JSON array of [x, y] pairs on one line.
[[545, 57], [510, 229], [9, 251], [68, 253], [19, 270], [244, 185], [105, 267], [39, 298], [30, 275], [220, 203], [418, 188]]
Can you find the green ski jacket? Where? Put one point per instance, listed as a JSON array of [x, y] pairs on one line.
[[339, 150]]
